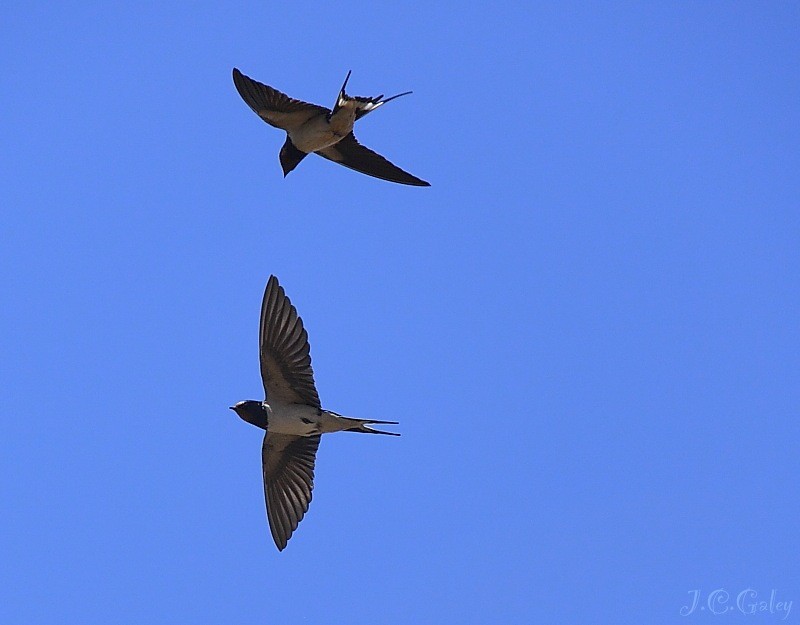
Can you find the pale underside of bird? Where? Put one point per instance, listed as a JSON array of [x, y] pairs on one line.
[[313, 128], [291, 414]]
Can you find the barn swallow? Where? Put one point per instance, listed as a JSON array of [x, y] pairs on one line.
[[313, 128], [294, 419]]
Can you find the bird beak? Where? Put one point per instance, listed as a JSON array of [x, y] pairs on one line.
[[232, 407]]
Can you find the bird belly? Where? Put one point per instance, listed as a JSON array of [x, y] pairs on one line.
[[342, 121], [317, 133], [294, 419]]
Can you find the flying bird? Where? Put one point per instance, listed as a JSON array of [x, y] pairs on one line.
[[313, 128], [294, 419]]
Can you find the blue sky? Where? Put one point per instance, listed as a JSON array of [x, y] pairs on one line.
[[587, 326]]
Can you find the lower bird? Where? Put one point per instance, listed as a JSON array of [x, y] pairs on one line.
[[313, 128], [294, 419]]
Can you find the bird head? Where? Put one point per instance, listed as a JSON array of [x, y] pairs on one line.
[[254, 412]]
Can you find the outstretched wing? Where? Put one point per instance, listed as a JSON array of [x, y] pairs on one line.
[[352, 154], [284, 351], [288, 467], [274, 107]]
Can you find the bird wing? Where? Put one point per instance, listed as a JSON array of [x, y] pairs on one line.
[[288, 467], [350, 153], [274, 107], [284, 351]]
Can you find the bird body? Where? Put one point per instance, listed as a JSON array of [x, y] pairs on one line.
[[291, 415], [313, 128], [320, 132], [300, 419]]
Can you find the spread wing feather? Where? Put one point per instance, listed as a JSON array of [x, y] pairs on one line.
[[288, 467], [350, 153], [284, 351], [274, 107]]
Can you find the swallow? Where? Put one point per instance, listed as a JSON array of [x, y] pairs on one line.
[[293, 420], [313, 128]]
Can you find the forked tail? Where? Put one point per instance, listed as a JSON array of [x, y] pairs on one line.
[[364, 104], [361, 425]]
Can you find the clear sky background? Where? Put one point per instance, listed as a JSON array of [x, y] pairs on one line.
[[587, 326]]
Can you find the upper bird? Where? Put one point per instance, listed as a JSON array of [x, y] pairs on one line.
[[293, 419], [329, 133]]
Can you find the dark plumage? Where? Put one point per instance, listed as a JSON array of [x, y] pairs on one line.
[[293, 419], [313, 128]]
